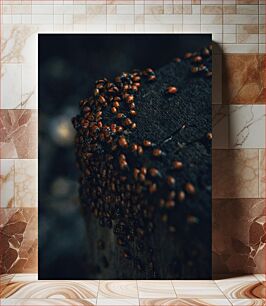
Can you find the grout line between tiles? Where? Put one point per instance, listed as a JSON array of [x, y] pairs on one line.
[[174, 289], [97, 292], [138, 290], [221, 291]]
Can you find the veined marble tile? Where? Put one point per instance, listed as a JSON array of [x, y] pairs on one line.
[[26, 177], [126, 289], [4, 280], [240, 49], [10, 85], [197, 289], [7, 179], [14, 41], [261, 277], [155, 289], [25, 277], [238, 236], [48, 302], [184, 302], [51, 290], [248, 302], [242, 287], [246, 126], [262, 170], [243, 79], [18, 129], [235, 173], [28, 91], [117, 302], [19, 246]]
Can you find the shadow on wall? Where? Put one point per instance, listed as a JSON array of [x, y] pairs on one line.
[[238, 230]]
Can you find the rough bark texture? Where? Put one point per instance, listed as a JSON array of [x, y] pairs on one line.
[[136, 233]]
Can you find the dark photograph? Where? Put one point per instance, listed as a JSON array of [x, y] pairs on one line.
[[125, 156]]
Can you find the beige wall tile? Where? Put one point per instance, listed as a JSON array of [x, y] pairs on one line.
[[208, 28], [96, 10], [187, 9], [229, 9], [79, 9], [160, 28], [235, 173], [42, 9], [119, 19], [262, 9], [211, 19], [247, 9], [80, 19], [125, 28], [262, 174], [240, 19], [163, 19], [229, 38], [247, 29], [191, 28], [42, 19], [111, 10], [196, 9], [168, 9], [139, 9], [18, 133], [125, 9], [22, 9], [191, 19], [240, 48], [6, 9], [229, 29], [26, 183], [139, 19], [178, 9], [7, 183], [212, 9], [11, 85], [243, 78], [154, 9], [246, 38], [262, 48]]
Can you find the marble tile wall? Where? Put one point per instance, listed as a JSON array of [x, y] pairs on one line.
[[238, 28]]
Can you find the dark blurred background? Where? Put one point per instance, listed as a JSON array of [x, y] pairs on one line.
[[68, 66]]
